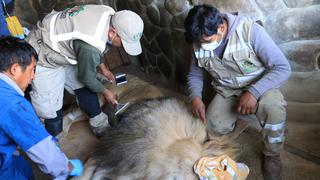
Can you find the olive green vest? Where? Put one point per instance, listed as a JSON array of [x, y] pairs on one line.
[[239, 65], [89, 23]]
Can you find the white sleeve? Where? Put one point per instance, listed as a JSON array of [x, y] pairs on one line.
[[49, 158]]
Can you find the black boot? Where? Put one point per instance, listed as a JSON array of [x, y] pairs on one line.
[[272, 167], [54, 125]]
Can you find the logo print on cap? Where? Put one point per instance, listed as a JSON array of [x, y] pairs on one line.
[[136, 37], [75, 10]]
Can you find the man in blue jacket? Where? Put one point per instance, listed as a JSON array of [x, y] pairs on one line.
[[19, 124]]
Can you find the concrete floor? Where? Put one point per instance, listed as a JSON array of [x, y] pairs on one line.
[[298, 157]]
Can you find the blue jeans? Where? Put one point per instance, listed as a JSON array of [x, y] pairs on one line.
[[88, 101], [20, 169]]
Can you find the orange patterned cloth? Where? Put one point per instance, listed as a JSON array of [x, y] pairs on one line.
[[220, 168]]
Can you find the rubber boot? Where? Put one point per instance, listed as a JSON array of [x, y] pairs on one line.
[[54, 125], [99, 124], [272, 167]]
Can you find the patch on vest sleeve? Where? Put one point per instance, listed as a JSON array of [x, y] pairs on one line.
[[75, 10]]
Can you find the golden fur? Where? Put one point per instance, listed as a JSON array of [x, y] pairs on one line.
[[155, 139]]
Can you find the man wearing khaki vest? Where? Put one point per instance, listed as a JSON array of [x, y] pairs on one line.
[[247, 70], [70, 45]]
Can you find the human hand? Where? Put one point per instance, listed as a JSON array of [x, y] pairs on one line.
[[247, 104], [75, 167], [109, 75], [198, 109], [106, 72], [109, 96]]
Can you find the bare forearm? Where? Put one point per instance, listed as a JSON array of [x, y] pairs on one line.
[[106, 72]]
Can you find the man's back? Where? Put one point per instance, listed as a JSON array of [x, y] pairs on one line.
[[19, 124], [8, 98]]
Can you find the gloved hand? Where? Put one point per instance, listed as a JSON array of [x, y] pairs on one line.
[[77, 167]]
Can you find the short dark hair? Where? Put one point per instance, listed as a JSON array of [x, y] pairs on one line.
[[14, 50], [201, 20]]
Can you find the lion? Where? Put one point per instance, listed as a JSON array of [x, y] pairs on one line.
[[155, 138]]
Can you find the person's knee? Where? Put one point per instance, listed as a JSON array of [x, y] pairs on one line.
[[219, 128], [272, 102], [88, 101], [220, 122], [273, 96], [46, 104]]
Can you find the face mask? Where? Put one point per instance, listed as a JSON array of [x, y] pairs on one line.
[[211, 46], [108, 45]]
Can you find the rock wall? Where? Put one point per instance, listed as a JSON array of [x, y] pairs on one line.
[[293, 24]]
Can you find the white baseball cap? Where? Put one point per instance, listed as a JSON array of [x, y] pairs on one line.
[[129, 27]]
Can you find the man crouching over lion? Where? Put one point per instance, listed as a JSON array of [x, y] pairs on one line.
[[247, 69]]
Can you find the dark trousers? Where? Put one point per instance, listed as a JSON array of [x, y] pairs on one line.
[[88, 102]]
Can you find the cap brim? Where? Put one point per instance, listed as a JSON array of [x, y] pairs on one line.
[[132, 49]]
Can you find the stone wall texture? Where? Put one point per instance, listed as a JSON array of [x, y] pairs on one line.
[[293, 24]]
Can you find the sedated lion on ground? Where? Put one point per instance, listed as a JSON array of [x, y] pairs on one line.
[[154, 139]]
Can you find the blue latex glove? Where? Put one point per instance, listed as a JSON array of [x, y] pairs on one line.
[[77, 167]]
